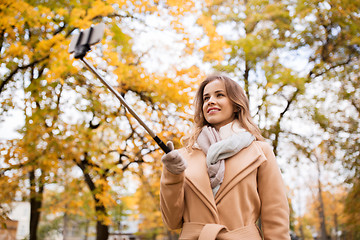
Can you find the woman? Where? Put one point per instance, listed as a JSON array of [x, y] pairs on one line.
[[226, 177]]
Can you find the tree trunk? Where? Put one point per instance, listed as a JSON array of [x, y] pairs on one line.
[[323, 233], [336, 226], [302, 235], [65, 229], [86, 229], [102, 231], [35, 205]]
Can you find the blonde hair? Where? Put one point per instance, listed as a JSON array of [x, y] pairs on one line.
[[236, 95]]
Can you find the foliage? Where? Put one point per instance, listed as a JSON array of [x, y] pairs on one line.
[[352, 204], [331, 30], [77, 137], [334, 207], [260, 31], [50, 228], [147, 202], [69, 119], [298, 61]]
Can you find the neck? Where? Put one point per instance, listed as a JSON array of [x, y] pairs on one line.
[[230, 129]]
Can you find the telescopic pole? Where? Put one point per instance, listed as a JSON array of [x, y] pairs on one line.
[[122, 100]]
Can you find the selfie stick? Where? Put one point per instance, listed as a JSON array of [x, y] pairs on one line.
[[80, 45]]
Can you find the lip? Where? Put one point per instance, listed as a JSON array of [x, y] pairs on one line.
[[213, 108]]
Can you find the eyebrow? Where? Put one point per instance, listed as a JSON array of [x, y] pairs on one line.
[[217, 91]]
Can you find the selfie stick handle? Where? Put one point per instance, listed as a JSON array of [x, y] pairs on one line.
[[122, 100]]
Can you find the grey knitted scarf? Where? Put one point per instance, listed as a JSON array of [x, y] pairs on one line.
[[217, 150]]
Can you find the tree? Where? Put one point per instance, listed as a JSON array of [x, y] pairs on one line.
[[333, 208], [331, 30], [265, 38], [34, 40], [260, 33]]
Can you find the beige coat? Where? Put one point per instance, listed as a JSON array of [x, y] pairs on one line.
[[252, 187]]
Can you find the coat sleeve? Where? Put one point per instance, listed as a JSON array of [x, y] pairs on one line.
[[274, 204], [172, 198]]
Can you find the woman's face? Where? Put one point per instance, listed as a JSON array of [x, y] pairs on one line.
[[218, 109]]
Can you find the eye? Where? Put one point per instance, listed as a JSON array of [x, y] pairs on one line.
[[205, 98], [220, 95]]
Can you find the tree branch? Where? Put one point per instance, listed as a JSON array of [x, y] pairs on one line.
[[8, 78]]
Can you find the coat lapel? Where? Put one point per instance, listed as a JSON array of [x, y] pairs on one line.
[[198, 178], [236, 169], [239, 166]]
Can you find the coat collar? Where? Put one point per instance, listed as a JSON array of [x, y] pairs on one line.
[[236, 169], [240, 166]]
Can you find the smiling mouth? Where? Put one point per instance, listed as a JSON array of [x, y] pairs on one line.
[[210, 110]]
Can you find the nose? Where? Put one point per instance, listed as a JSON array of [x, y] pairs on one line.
[[211, 100]]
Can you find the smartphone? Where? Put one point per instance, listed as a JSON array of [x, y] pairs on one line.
[[89, 36]]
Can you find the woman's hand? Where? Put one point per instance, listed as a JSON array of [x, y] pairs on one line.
[[173, 161]]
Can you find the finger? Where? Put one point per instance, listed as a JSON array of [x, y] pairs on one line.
[[170, 145]]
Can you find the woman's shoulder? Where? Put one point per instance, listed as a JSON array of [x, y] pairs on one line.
[[265, 146]]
